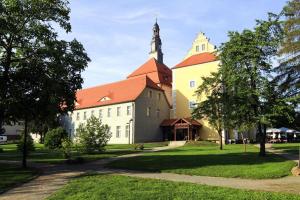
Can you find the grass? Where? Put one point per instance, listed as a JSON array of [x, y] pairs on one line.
[[11, 175], [206, 159], [131, 146], [44, 155], [111, 187], [292, 148]]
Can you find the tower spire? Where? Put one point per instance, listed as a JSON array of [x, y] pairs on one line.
[[156, 51]]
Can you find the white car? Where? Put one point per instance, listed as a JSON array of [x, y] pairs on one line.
[[3, 139]]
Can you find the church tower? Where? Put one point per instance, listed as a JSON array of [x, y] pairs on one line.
[[156, 51]]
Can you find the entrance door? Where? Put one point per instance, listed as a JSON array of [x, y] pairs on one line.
[[181, 134]]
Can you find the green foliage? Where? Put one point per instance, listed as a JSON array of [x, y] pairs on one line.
[[55, 137], [93, 136], [29, 143], [1, 150], [67, 145], [139, 146], [289, 68], [213, 106]]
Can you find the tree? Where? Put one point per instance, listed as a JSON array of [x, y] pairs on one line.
[[213, 107], [55, 137], [289, 68], [246, 65], [93, 136], [39, 74]]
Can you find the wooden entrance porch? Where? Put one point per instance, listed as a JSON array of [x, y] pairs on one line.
[[180, 129]]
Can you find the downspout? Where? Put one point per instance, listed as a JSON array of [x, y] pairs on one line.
[[133, 123]]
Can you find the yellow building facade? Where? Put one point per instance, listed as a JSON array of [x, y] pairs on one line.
[[199, 62]]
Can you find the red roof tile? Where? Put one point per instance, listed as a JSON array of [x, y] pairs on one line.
[[197, 59], [157, 72], [117, 92]]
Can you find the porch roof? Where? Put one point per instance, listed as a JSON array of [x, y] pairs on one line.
[[172, 122]]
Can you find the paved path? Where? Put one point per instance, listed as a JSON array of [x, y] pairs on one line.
[[56, 176]]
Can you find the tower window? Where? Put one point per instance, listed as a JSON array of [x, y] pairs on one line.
[[192, 104], [148, 111], [150, 94], [192, 84]]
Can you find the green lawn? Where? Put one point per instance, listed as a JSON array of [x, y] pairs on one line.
[[111, 187], [11, 175], [292, 148], [44, 155], [131, 146], [206, 159]]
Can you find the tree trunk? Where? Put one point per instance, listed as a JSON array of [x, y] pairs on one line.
[[262, 151], [24, 158], [221, 140]]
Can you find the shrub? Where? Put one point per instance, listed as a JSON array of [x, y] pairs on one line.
[[1, 150], [29, 143], [93, 136], [139, 146], [67, 147], [54, 138]]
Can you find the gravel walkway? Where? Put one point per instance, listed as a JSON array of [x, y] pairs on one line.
[[56, 176]]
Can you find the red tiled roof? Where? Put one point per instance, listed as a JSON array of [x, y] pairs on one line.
[[157, 72], [197, 59], [117, 92]]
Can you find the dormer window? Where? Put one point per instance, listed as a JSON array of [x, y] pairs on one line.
[[105, 99]]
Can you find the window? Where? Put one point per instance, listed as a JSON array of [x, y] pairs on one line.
[[127, 131], [192, 104], [148, 111], [197, 48], [84, 115], [118, 111], [157, 113], [78, 116], [203, 47], [118, 131], [92, 113], [128, 110], [158, 96], [100, 114], [150, 94], [192, 84], [108, 112]]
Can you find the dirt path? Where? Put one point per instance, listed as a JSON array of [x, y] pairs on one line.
[[56, 176]]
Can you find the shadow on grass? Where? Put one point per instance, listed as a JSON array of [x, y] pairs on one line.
[[175, 162]]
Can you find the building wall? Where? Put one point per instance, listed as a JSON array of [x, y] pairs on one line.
[[71, 123], [183, 93], [147, 128]]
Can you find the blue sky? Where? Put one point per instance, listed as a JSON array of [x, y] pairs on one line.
[[116, 34]]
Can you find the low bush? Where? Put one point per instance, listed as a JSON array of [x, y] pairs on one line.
[[139, 146], [67, 147], [93, 136], [55, 137], [29, 143]]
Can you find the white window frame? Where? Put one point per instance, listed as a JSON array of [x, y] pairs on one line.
[[119, 111], [92, 113], [203, 47], [194, 83], [148, 112], [100, 113], [108, 112], [118, 131], [84, 115], [128, 111], [192, 102], [127, 131], [78, 116]]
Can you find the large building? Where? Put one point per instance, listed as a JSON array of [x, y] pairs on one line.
[[133, 108], [199, 62]]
